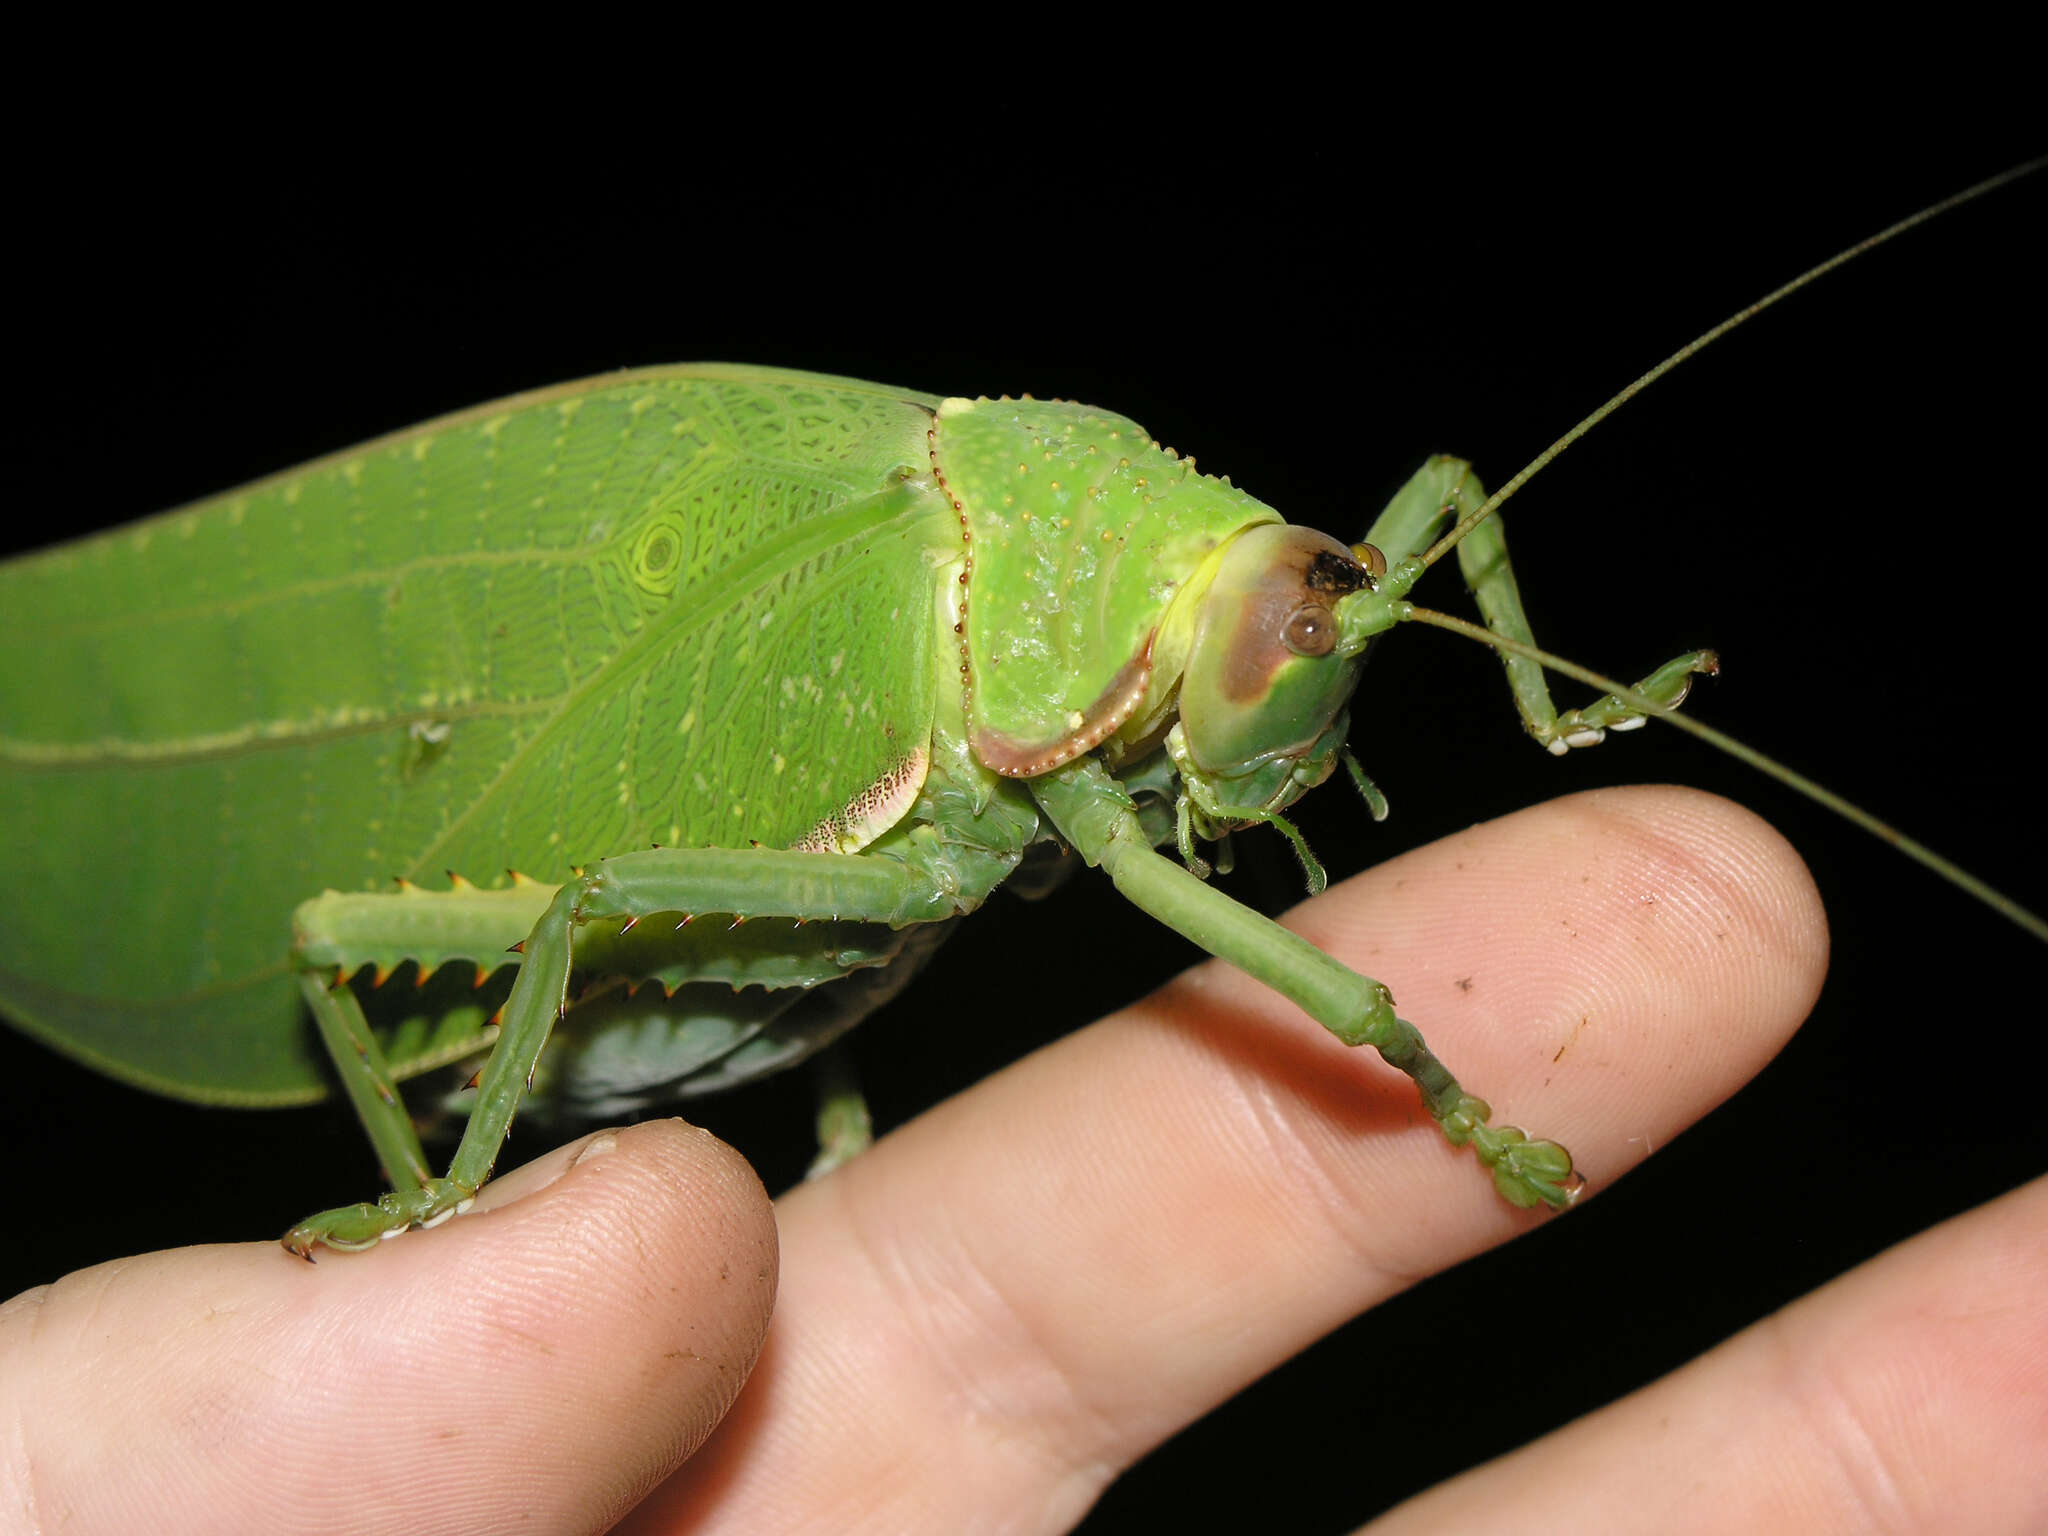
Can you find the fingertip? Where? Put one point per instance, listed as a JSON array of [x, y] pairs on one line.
[[1602, 969], [1713, 944], [1903, 1396], [537, 1363], [650, 1253], [1744, 871], [666, 1177]]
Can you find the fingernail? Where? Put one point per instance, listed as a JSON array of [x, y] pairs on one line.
[[543, 1171]]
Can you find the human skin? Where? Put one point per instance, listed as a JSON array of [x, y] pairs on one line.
[[985, 1318]]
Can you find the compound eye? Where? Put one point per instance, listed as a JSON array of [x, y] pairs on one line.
[[1311, 630], [1374, 562]]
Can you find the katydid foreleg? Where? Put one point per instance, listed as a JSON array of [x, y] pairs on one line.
[[1093, 812], [1444, 489]]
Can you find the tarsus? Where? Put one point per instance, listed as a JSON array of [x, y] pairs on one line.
[[1911, 847]]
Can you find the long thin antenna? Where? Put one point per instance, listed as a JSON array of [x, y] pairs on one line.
[[1912, 848], [1452, 539]]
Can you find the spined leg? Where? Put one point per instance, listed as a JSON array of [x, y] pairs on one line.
[[621, 891]]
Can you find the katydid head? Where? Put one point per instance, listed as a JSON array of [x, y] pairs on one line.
[[1264, 694]]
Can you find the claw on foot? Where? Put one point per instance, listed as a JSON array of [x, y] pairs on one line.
[[355, 1228], [1525, 1172], [1667, 687]]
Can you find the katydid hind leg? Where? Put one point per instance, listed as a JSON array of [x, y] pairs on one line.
[[745, 884], [337, 934], [366, 1078]]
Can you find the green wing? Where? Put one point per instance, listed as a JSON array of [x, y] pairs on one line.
[[679, 606]]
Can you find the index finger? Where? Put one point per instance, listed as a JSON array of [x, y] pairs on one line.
[[1005, 1303]]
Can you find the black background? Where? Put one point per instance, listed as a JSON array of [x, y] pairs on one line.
[[1844, 498]]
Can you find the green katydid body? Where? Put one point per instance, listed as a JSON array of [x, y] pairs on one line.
[[900, 640]]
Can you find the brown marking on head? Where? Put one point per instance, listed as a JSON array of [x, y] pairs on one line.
[[1311, 571]]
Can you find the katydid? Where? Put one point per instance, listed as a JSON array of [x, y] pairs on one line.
[[1523, 545], [836, 658]]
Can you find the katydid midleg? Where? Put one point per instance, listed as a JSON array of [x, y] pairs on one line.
[[1799, 495]]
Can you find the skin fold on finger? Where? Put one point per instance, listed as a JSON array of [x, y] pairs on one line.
[[538, 1367], [1003, 1304], [1904, 1397]]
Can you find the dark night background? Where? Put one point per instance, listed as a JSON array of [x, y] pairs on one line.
[[1844, 498]]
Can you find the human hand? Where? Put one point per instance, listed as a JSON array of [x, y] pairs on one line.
[[986, 1317]]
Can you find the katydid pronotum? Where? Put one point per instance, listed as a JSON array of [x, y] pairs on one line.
[[1646, 491]]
